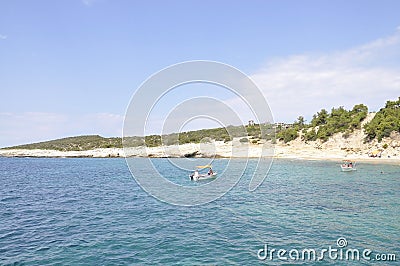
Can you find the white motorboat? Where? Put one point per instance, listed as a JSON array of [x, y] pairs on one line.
[[348, 166], [196, 176]]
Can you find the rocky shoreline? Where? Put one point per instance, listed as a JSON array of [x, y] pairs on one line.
[[337, 148]]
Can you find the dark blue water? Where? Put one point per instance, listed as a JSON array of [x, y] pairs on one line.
[[91, 212]]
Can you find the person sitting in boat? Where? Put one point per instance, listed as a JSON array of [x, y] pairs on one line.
[[350, 165], [196, 173], [210, 172]]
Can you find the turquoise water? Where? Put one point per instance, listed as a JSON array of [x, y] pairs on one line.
[[91, 212]]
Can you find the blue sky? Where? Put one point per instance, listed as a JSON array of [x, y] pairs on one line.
[[70, 67]]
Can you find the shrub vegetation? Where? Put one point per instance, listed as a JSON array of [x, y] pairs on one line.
[[385, 121]]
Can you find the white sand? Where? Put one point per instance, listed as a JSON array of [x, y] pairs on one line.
[[336, 148]]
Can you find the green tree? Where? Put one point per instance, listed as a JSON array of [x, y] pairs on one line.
[[310, 135], [320, 118], [385, 121], [287, 134], [300, 122]]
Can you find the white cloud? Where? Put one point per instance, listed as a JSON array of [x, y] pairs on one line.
[[303, 84], [28, 127], [3, 37]]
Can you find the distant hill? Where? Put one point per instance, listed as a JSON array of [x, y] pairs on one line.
[[323, 126], [90, 142], [78, 143]]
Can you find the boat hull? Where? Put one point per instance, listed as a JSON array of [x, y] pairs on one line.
[[348, 169], [203, 177]]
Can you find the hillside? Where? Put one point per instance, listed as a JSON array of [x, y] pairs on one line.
[[338, 133], [78, 143], [91, 142], [325, 125]]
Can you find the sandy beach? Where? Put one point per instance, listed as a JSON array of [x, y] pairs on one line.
[[336, 148]]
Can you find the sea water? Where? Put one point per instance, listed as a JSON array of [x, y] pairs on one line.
[[92, 212]]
